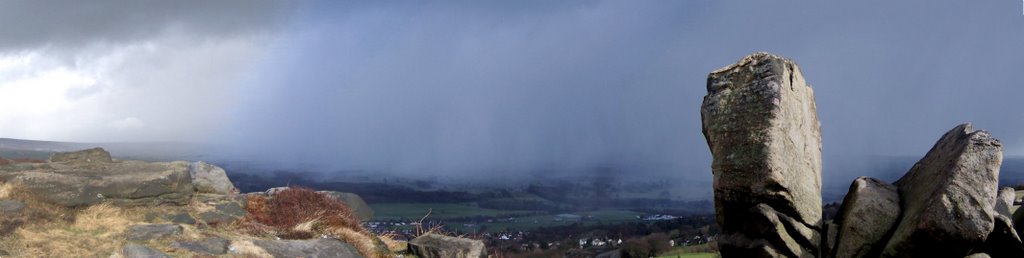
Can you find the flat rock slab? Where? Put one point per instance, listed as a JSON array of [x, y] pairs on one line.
[[148, 232], [134, 250], [223, 213], [210, 246], [173, 217], [11, 207], [948, 198], [127, 183], [439, 246], [323, 248]]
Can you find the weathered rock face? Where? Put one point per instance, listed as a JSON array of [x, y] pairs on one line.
[[439, 246], [948, 198], [870, 210], [760, 121], [94, 155], [1005, 199], [127, 183], [208, 178], [1018, 220]]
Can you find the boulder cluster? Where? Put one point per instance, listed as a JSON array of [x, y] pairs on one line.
[[185, 209], [761, 124]]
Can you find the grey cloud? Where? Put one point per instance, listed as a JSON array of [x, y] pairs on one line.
[[60, 24]]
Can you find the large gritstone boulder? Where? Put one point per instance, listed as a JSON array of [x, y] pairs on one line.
[[359, 207], [760, 121], [948, 198], [208, 178], [869, 211], [126, 183]]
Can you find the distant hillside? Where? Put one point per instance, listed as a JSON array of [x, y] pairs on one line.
[[151, 151]]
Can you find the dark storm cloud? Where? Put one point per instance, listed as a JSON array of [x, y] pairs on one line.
[[34, 24], [471, 87]]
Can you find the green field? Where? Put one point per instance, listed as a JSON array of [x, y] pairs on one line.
[[523, 220], [538, 221]]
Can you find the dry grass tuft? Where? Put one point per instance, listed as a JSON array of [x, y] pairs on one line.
[[6, 190], [96, 231], [296, 213], [366, 244], [12, 190], [393, 244]]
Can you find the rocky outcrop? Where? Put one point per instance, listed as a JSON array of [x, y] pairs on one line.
[[94, 155], [761, 124], [177, 193], [127, 183], [432, 245], [208, 178], [870, 209], [948, 198]]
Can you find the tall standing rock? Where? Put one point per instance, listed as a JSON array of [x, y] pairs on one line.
[[949, 197], [761, 123]]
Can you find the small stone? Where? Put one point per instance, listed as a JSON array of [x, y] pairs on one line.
[[231, 209], [148, 232], [211, 246], [181, 218], [11, 206], [134, 250]]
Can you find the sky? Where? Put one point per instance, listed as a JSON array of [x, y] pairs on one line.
[[483, 87]]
